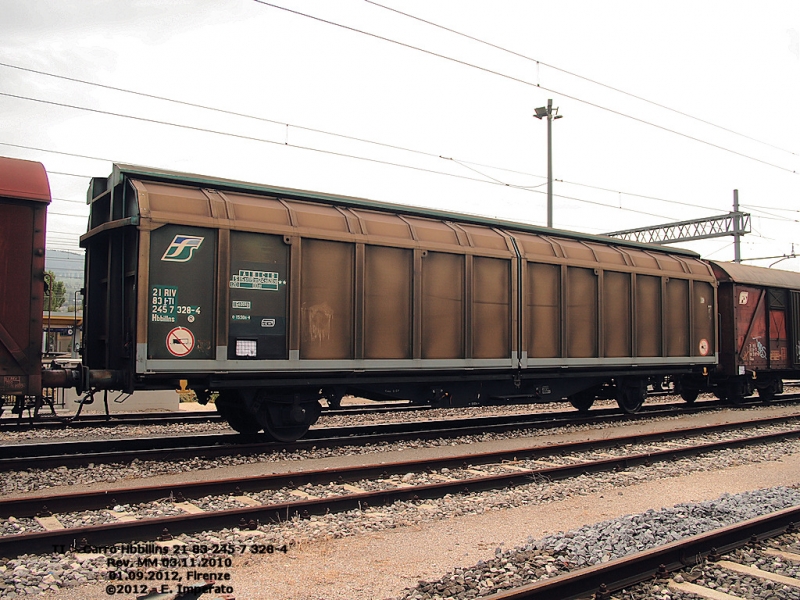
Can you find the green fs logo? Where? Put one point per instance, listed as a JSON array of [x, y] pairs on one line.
[[182, 248]]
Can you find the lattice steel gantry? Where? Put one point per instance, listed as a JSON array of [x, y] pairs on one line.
[[735, 223]]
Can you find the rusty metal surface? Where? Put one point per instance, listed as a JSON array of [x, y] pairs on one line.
[[24, 194], [759, 329], [750, 275]]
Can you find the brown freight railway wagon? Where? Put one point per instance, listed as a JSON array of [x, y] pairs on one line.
[[276, 297], [24, 196], [759, 311]]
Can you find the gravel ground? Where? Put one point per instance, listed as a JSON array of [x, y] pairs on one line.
[[8, 435], [375, 553]]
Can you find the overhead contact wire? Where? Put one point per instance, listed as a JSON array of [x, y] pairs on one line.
[[577, 75], [524, 82], [463, 163]]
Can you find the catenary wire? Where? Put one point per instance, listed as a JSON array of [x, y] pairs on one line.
[[573, 74], [73, 154], [301, 147], [217, 109], [774, 208], [464, 163], [525, 82], [60, 214]]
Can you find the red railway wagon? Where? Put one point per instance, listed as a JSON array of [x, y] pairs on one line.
[[24, 196], [759, 313]]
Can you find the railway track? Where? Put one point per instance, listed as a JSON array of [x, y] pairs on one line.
[[280, 497], [601, 581], [83, 452], [48, 422], [120, 420]]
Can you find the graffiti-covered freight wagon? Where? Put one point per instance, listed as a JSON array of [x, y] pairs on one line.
[[759, 314]]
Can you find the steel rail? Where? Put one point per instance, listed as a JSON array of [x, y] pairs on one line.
[[102, 420], [82, 452], [93, 500], [15, 423], [46, 422], [148, 529], [657, 562]]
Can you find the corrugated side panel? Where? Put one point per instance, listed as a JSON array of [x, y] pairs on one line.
[[326, 300], [705, 318], [581, 313], [648, 315], [677, 317], [543, 306], [617, 314], [491, 308], [443, 305], [357, 284], [388, 282]]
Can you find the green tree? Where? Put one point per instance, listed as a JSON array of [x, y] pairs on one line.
[[55, 290]]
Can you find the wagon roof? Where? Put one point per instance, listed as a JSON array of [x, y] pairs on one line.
[[148, 173], [24, 180], [748, 274]]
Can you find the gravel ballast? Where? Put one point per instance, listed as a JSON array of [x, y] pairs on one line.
[[15, 483], [377, 552], [598, 543]]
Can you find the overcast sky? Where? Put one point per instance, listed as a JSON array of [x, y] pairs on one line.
[[458, 116]]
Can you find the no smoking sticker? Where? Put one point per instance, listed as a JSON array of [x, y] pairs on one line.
[[180, 341], [704, 347]]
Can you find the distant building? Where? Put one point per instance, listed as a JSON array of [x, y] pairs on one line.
[[61, 334]]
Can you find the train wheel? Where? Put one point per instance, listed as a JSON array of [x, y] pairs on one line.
[[767, 394], [689, 395], [582, 400], [735, 399], [231, 408], [334, 397], [288, 422], [738, 391], [631, 396]]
